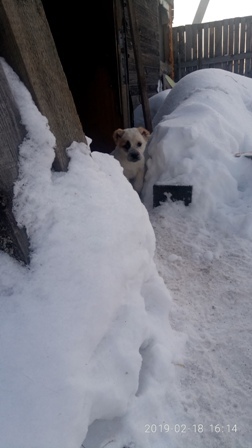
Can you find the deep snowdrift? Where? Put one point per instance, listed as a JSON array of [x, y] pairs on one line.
[[85, 332], [201, 125]]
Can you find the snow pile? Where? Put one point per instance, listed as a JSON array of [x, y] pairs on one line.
[[155, 102], [201, 125], [85, 333], [204, 251]]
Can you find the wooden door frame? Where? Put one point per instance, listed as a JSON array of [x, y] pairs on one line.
[[122, 63]]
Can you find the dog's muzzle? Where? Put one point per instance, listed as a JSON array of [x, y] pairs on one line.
[[133, 156]]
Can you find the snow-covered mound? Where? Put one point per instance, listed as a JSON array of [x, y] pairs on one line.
[[86, 349], [201, 125], [155, 102]]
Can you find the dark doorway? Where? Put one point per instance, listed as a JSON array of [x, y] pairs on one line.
[[84, 34]]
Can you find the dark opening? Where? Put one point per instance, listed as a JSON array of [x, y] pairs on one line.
[[84, 34]]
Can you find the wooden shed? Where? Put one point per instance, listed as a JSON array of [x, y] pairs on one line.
[[94, 43], [80, 64]]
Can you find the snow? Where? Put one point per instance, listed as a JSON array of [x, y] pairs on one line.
[[204, 250], [129, 318], [155, 103]]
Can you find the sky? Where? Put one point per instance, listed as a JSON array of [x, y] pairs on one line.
[[131, 327], [184, 11]]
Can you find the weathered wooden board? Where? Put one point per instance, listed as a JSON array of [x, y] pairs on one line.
[[27, 45], [13, 240], [146, 13], [242, 45], [139, 64], [225, 44]]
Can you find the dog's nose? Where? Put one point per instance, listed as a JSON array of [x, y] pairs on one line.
[[135, 156]]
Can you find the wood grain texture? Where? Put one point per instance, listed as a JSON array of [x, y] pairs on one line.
[[146, 12], [13, 240], [224, 44], [27, 45], [11, 134]]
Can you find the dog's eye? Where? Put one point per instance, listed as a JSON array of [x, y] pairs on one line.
[[127, 145], [139, 144]]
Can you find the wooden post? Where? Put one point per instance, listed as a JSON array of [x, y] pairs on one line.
[[13, 240], [122, 63], [27, 45], [139, 65], [201, 10]]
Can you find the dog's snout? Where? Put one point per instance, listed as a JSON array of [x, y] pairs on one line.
[[134, 156]]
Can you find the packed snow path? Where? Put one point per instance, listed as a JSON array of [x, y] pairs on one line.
[[209, 276]]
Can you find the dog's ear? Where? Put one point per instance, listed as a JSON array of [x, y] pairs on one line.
[[118, 134], [144, 133]]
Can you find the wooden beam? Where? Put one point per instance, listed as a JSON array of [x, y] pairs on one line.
[[27, 45], [139, 64], [201, 10], [122, 63], [13, 239]]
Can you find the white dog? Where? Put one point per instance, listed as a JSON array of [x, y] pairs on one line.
[[129, 151]]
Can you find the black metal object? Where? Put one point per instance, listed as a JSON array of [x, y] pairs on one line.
[[176, 193]]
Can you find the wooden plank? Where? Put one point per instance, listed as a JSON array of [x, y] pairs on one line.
[[175, 52], [175, 43], [236, 43], [231, 37], [170, 55], [13, 240], [188, 42], [147, 18], [200, 44], [232, 52], [249, 35], [200, 11], [12, 135], [182, 56], [206, 41], [225, 38], [27, 45], [230, 66], [225, 31], [218, 42], [214, 61], [122, 63], [242, 45], [212, 41], [248, 44], [195, 48], [139, 65]]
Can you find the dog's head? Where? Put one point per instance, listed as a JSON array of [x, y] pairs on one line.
[[131, 142]]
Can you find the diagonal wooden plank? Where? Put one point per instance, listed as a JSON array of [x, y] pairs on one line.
[[13, 239], [139, 64]]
